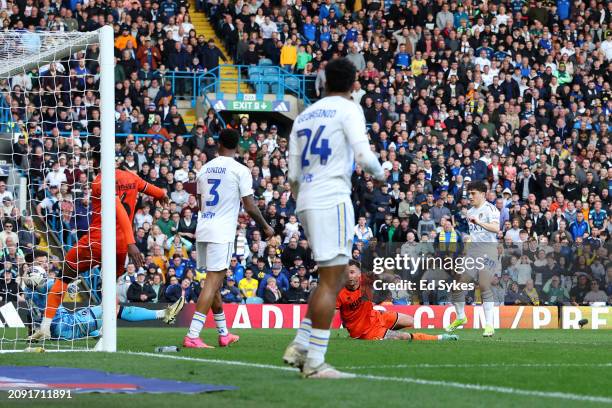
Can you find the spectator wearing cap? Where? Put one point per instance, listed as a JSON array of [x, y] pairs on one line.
[[280, 279], [141, 290], [229, 292], [121, 42]]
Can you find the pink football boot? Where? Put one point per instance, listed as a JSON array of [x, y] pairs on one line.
[[225, 341], [188, 342]]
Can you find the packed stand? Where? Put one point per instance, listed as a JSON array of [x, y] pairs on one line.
[[513, 93]]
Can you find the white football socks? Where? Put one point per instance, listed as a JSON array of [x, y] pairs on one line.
[[489, 307], [460, 309], [317, 347], [221, 323], [197, 323]]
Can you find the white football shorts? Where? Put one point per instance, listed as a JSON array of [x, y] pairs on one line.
[[214, 256], [329, 231]]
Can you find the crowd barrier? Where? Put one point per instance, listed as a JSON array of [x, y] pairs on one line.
[[425, 317]]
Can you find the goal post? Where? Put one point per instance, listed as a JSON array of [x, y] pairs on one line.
[[25, 58], [107, 167]]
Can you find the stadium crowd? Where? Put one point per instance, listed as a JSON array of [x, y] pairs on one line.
[[515, 93]]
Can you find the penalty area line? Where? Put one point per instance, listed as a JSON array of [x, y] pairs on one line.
[[411, 380]]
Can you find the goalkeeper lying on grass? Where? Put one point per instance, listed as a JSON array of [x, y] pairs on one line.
[[87, 321], [364, 322]]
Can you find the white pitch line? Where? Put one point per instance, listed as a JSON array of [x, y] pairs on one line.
[[499, 365], [210, 360], [438, 383]]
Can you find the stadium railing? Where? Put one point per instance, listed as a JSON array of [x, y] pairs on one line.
[[263, 79]]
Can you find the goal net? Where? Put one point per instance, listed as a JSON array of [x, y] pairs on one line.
[[56, 114]]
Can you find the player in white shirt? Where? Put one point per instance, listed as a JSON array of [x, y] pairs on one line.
[[325, 141], [222, 184], [484, 226]]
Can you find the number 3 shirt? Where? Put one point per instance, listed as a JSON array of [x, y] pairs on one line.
[[221, 183], [321, 141]]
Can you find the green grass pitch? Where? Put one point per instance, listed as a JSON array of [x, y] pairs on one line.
[[547, 368]]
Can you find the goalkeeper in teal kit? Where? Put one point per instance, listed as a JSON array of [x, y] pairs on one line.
[[87, 321]]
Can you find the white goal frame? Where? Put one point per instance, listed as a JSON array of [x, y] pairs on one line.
[[58, 50]]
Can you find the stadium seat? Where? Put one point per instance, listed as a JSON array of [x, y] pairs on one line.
[[262, 88], [271, 72], [292, 83], [254, 301], [255, 70]]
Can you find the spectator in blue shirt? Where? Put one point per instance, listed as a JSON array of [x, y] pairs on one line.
[[281, 280], [579, 227], [178, 265], [168, 9], [598, 216], [402, 58], [485, 47], [174, 292], [563, 9], [230, 293], [237, 269], [352, 33], [309, 30]]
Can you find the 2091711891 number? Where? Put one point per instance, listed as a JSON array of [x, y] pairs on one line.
[[39, 394]]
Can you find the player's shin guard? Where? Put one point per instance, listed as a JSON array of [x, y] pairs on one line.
[[221, 323], [317, 347], [303, 333], [458, 300], [139, 314], [488, 306]]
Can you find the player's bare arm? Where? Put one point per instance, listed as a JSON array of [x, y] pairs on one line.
[[253, 211]]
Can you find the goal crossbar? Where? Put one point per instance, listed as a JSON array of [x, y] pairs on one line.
[[22, 51]]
